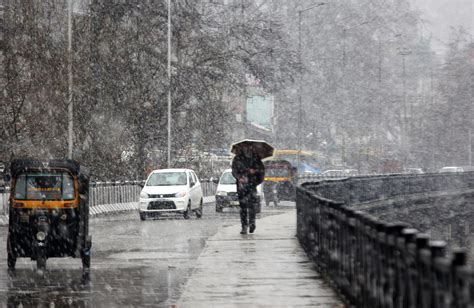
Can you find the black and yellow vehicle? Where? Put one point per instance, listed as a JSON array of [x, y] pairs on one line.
[[279, 183], [48, 212]]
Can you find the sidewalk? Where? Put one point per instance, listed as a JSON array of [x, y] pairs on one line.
[[264, 269]]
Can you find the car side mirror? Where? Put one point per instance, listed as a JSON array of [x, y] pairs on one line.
[[192, 184]]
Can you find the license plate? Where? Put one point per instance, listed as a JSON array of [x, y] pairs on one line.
[[234, 202]]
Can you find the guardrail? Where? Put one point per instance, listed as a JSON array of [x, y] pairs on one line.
[[112, 192], [375, 264]]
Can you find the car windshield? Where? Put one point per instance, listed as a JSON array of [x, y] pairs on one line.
[[44, 186], [227, 178], [167, 179]]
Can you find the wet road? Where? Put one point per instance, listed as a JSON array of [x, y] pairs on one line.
[[134, 263]]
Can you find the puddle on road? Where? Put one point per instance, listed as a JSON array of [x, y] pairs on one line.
[[130, 286]]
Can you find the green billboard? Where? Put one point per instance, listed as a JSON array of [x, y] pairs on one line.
[[260, 111]]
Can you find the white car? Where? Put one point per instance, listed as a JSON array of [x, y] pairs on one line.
[[226, 192], [451, 169], [171, 190], [414, 170], [334, 173]]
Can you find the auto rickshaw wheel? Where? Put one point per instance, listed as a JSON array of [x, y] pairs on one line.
[[11, 260], [86, 260], [41, 262], [11, 257]]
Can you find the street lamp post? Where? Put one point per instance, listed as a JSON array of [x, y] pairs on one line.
[[69, 69], [343, 86], [169, 83], [404, 114], [300, 83]]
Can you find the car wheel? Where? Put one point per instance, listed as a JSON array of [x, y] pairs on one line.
[[218, 208], [142, 216], [188, 210], [199, 210]]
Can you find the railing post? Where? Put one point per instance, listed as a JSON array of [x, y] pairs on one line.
[[462, 292], [393, 262], [407, 278], [438, 251], [424, 266]]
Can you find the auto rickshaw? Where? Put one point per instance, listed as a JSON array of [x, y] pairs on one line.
[[279, 182], [48, 212]]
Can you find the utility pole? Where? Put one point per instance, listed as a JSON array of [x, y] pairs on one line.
[[300, 88], [169, 83], [300, 83], [470, 145], [69, 69], [343, 86], [404, 115]]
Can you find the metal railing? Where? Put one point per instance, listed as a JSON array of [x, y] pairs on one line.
[[114, 192], [4, 195], [375, 264], [208, 187], [109, 193]]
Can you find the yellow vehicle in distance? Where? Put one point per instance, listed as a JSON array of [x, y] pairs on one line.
[[279, 182], [303, 161]]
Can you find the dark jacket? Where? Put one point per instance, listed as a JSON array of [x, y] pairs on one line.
[[240, 168]]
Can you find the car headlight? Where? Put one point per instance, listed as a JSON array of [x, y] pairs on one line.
[[143, 195], [180, 194], [221, 193]]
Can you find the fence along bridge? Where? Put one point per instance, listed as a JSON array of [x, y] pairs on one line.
[[375, 263]]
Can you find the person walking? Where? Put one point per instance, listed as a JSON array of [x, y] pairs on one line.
[[249, 172]]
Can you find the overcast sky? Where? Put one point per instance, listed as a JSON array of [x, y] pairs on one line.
[[443, 14]]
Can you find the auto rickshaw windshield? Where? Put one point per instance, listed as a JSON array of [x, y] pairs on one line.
[[44, 186], [277, 172]]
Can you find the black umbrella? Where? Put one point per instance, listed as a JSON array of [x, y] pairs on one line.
[[261, 148]]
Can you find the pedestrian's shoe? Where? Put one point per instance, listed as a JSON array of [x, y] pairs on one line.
[[244, 230], [252, 228]]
